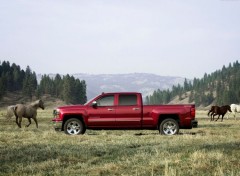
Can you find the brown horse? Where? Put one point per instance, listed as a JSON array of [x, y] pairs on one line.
[[211, 112], [27, 111], [216, 110]]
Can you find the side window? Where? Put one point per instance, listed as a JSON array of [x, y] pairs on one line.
[[125, 100], [106, 101]]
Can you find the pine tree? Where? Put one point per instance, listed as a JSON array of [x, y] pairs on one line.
[[2, 89], [67, 89], [58, 82], [147, 100], [17, 77], [29, 83], [83, 92]]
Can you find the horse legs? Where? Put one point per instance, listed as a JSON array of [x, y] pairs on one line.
[[228, 115], [29, 120], [218, 117], [20, 121], [222, 116], [234, 114], [212, 117], [17, 122], [35, 119]]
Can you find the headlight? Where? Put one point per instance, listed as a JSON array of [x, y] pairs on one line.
[[56, 112]]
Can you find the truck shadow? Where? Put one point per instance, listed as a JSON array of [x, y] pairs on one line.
[[95, 133], [189, 133], [181, 133], [145, 134]]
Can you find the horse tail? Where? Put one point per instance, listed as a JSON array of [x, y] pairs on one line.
[[15, 111], [209, 112]]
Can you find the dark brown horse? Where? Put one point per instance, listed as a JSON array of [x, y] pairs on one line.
[[27, 111], [216, 110], [211, 112]]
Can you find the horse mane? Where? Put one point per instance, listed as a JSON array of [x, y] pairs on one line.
[[36, 104]]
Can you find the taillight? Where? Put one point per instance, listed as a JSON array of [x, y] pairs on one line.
[[192, 112]]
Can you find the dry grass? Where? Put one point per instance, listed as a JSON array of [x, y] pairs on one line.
[[211, 149]]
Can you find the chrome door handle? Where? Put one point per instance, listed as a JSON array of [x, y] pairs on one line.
[[135, 109], [110, 109]]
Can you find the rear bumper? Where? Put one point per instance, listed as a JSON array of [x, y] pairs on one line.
[[194, 123]]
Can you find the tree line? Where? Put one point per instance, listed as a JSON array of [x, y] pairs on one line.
[[220, 87], [67, 88]]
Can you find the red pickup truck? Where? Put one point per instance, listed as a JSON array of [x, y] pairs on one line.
[[123, 110]]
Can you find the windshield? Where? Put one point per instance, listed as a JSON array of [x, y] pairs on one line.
[[88, 101]]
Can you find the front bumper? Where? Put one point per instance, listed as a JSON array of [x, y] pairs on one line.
[[194, 123], [57, 124]]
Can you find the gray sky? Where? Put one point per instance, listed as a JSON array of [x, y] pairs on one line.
[[184, 38]]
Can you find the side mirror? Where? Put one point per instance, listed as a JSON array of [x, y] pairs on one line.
[[94, 104]]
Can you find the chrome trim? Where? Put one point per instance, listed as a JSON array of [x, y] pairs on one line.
[[57, 125], [135, 109]]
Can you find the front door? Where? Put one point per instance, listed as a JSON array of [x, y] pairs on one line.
[[102, 115]]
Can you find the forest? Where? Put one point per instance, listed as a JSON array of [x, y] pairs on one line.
[[67, 88], [220, 87]]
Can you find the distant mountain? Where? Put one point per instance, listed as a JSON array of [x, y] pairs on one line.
[[137, 82]]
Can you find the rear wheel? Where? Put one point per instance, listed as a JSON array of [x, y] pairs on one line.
[[169, 127], [74, 126]]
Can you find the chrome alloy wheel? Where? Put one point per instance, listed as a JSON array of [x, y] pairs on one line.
[[169, 127], [73, 127]]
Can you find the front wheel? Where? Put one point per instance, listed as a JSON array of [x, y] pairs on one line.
[[169, 127], [74, 126]]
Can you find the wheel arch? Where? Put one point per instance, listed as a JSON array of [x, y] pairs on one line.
[[70, 116], [162, 117]]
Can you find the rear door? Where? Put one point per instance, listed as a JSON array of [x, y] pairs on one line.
[[128, 111]]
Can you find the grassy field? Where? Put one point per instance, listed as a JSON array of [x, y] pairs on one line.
[[211, 149]]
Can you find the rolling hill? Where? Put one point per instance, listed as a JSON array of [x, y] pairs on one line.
[[145, 83]]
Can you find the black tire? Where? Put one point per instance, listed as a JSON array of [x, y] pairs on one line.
[[74, 126], [169, 127]]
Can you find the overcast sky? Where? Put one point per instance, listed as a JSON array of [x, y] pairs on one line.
[[184, 38]]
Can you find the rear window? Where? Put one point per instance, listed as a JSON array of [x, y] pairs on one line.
[[125, 100]]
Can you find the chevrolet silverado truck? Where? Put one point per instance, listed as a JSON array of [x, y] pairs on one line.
[[123, 110]]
